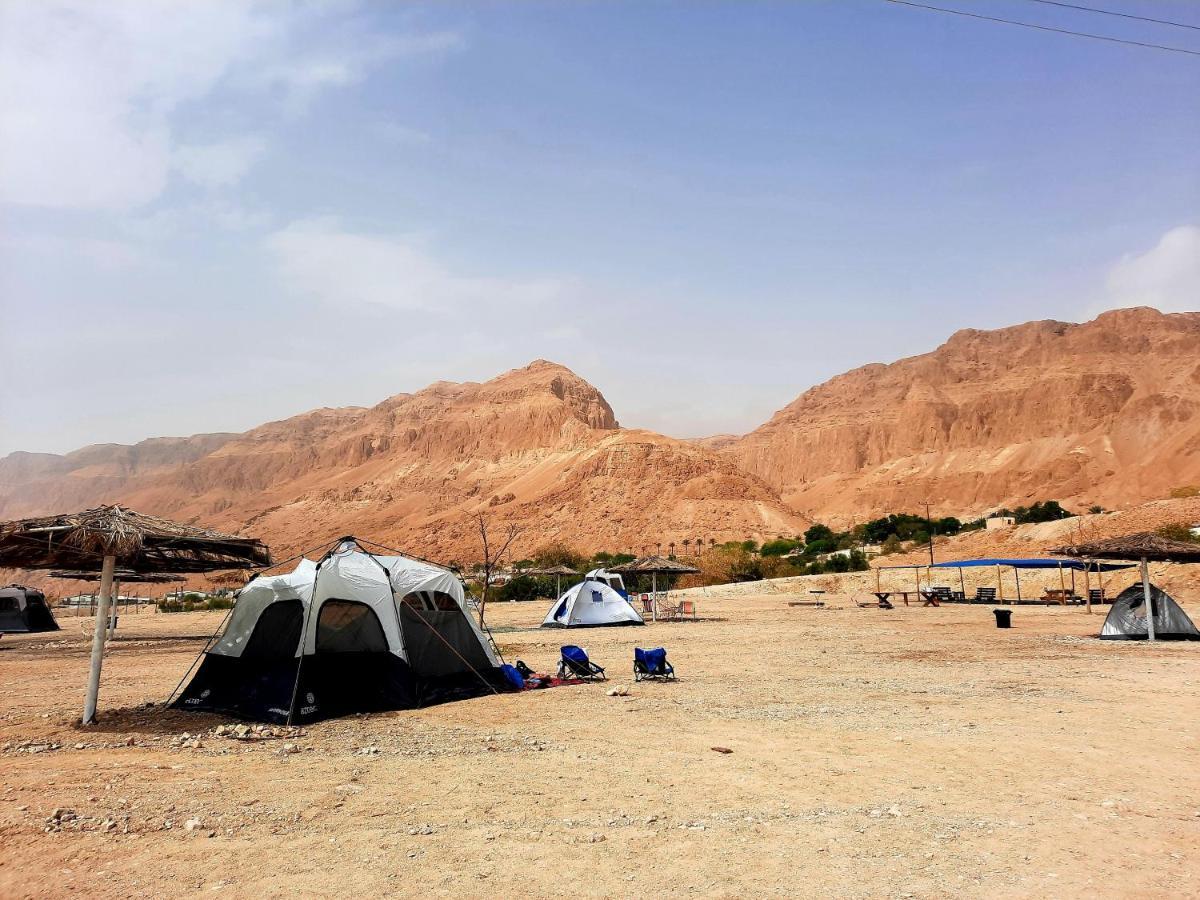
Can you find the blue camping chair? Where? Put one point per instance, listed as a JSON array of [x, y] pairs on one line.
[[652, 664], [575, 664]]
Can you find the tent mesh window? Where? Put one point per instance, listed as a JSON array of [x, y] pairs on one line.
[[430, 600], [276, 635], [439, 640], [8, 604], [346, 626]]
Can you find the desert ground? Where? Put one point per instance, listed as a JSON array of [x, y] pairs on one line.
[[917, 752]]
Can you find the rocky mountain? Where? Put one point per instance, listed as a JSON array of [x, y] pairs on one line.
[[1107, 412], [538, 447]]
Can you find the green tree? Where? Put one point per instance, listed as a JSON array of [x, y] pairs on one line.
[[818, 532]]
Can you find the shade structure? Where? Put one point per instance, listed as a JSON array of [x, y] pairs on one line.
[[655, 566], [121, 575], [139, 543], [101, 539], [1076, 564], [557, 571], [1145, 546]]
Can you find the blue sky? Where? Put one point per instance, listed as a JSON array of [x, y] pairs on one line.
[[218, 214]]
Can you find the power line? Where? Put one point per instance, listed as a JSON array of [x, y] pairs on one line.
[[1096, 37], [1110, 12]]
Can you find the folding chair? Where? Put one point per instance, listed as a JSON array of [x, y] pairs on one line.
[[652, 664], [687, 608], [575, 664]]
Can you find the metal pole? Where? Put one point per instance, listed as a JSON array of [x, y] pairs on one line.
[[93, 688], [1146, 599], [654, 596]]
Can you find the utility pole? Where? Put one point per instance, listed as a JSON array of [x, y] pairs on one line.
[[929, 525]]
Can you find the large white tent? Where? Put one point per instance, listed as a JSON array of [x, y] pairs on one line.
[[353, 633], [591, 604]]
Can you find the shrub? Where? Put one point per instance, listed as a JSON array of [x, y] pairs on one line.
[[524, 587], [1188, 490], [1178, 532], [780, 547]]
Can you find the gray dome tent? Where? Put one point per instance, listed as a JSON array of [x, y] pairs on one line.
[[1127, 619], [24, 610]]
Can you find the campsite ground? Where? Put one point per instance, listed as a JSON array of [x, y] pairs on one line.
[[914, 752]]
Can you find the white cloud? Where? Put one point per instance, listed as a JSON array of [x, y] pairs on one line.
[[87, 90], [318, 258], [1166, 277], [220, 164], [90, 91]]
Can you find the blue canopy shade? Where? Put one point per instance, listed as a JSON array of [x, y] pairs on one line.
[[1076, 564]]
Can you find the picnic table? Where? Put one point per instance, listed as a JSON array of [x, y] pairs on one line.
[[1060, 596], [903, 595]]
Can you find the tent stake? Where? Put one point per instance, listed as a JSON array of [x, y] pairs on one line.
[[93, 688], [1146, 599]]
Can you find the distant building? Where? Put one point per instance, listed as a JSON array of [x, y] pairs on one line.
[[994, 522]]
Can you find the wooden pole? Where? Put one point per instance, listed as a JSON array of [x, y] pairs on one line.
[[999, 586], [1017, 576], [1062, 584], [1087, 584], [116, 604], [654, 596], [962, 583], [878, 589], [93, 687], [1150, 636]]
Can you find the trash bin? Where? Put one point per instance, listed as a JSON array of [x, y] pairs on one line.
[[1003, 618]]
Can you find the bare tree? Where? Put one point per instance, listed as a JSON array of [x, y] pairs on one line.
[[494, 548]]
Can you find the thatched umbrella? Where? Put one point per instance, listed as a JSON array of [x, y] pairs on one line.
[[557, 571], [654, 566], [98, 539], [1144, 546]]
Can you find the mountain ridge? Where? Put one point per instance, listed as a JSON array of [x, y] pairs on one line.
[[1103, 412]]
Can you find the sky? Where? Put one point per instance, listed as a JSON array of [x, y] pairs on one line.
[[218, 214]]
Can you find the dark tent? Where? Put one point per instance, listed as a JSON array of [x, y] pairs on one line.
[[24, 610]]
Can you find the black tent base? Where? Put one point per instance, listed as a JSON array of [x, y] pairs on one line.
[[330, 685], [1143, 637], [591, 625]]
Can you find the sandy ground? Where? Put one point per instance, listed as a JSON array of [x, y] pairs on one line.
[[916, 752]]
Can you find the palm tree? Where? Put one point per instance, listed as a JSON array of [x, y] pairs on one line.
[[712, 543], [687, 542], [659, 546], [672, 548]]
